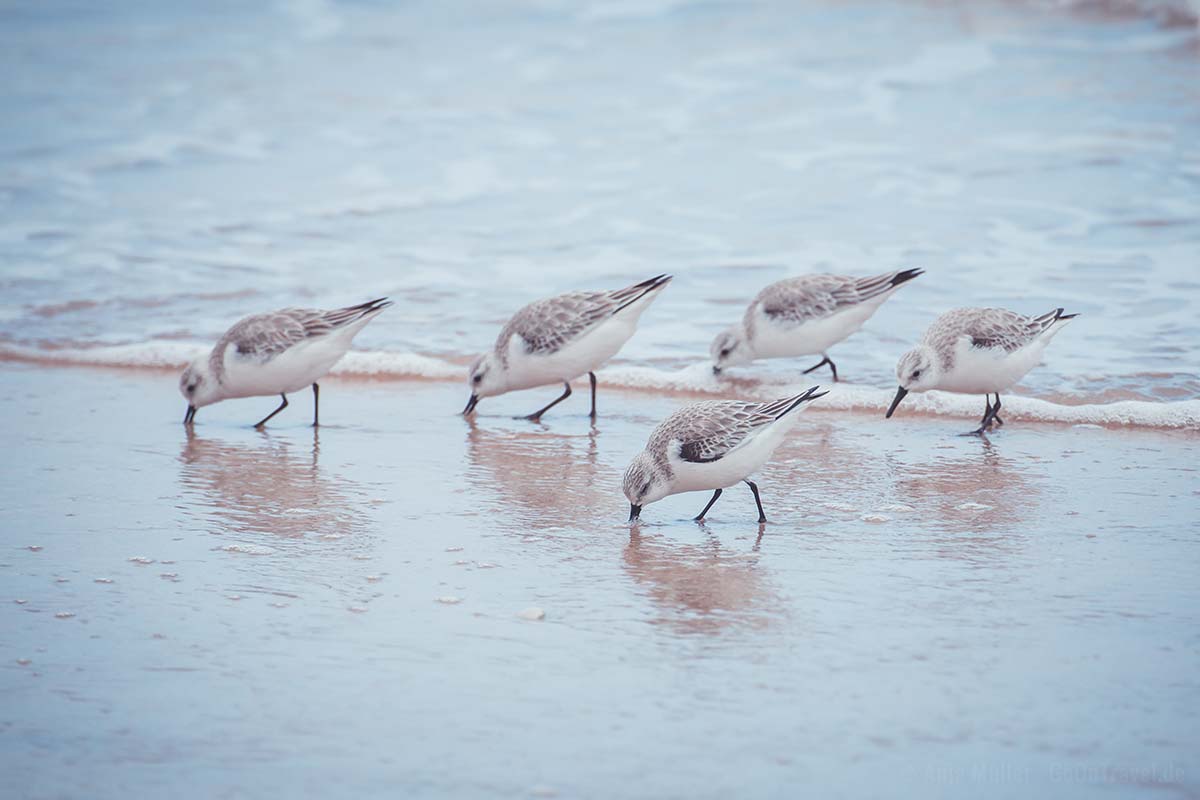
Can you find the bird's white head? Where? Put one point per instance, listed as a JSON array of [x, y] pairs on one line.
[[730, 349], [645, 482], [917, 371], [485, 378], [198, 385]]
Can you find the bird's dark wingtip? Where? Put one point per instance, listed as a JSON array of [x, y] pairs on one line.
[[906, 275]]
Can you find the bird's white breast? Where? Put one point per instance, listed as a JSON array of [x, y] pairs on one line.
[[979, 370], [292, 370], [781, 339], [584, 354], [735, 466]]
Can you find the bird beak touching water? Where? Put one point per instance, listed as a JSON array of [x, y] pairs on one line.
[[474, 401], [716, 370], [900, 392], [190, 415], [634, 512]]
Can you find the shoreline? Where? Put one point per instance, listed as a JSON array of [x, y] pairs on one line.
[[693, 382]]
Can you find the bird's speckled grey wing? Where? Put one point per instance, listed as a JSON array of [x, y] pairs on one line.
[[988, 328], [706, 431], [546, 326], [808, 297], [262, 337]]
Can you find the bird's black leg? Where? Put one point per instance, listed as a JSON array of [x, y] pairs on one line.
[[592, 378], [282, 406], [316, 404], [537, 415], [996, 411], [762, 515], [824, 360], [988, 413], [700, 516]]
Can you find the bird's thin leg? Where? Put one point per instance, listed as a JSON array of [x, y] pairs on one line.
[[537, 415], [700, 516], [824, 360], [592, 378], [316, 404], [762, 515], [996, 411], [988, 413], [282, 406]]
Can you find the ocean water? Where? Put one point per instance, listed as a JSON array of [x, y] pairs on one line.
[[166, 169]]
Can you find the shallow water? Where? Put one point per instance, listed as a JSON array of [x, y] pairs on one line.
[[165, 171], [305, 613], [337, 612]]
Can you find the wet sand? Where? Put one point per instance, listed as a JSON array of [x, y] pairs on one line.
[[299, 613]]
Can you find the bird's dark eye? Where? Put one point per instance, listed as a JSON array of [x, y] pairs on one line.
[[645, 488], [477, 378], [917, 373], [191, 388], [726, 351]]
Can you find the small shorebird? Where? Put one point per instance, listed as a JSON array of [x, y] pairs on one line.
[[558, 339], [977, 350], [804, 316], [710, 445], [274, 353]]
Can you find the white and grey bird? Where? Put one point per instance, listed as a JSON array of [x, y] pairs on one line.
[[275, 353], [559, 339], [977, 351], [710, 445], [805, 315]]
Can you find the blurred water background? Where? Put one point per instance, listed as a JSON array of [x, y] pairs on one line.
[[168, 168]]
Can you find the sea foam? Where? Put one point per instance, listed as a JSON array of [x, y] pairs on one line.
[[694, 380]]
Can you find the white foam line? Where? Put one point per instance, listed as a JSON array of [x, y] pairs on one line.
[[699, 379], [378, 363], [696, 379], [176, 355]]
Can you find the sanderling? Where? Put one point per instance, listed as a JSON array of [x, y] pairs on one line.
[[275, 353], [710, 445], [558, 339], [804, 316], [977, 350]]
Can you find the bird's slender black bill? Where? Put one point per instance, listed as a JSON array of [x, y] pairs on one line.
[[900, 393], [474, 401], [634, 512], [190, 415]]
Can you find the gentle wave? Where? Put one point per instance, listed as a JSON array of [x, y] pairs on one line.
[[694, 380], [1171, 13]]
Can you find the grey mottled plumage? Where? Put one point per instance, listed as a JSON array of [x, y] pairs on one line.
[[262, 337], [808, 297], [708, 430], [987, 328], [545, 326]]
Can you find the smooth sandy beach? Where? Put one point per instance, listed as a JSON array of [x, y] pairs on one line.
[[338, 613]]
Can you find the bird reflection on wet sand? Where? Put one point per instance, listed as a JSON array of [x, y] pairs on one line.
[[544, 477], [701, 588], [271, 487], [986, 495]]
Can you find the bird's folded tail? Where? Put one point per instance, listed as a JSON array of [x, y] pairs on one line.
[[631, 294], [1048, 320], [344, 316], [878, 284], [781, 408]]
